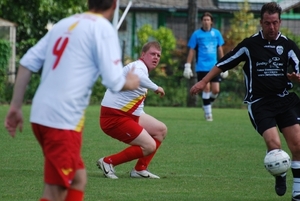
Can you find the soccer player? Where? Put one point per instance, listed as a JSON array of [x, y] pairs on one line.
[[206, 44], [268, 55], [123, 118], [76, 51]]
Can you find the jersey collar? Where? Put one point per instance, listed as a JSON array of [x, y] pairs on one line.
[[262, 35]]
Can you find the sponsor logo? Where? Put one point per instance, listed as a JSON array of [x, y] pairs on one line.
[[261, 63]]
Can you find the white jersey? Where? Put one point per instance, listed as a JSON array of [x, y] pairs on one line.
[[131, 101], [73, 54]]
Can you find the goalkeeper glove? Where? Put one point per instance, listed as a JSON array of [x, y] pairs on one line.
[[187, 73]]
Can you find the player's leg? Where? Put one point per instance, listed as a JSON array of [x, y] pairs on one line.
[[158, 130], [215, 88], [154, 127], [61, 161], [125, 128], [205, 96], [141, 146], [75, 192], [288, 123], [262, 117], [292, 136]]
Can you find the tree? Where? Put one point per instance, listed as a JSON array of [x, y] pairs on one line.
[[192, 23], [32, 16]]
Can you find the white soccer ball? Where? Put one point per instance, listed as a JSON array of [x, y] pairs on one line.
[[277, 162], [224, 74]]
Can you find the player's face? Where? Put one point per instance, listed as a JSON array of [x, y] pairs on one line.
[[151, 58], [270, 25], [206, 23]]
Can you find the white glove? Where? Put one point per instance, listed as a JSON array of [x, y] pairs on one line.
[[187, 73], [224, 74]]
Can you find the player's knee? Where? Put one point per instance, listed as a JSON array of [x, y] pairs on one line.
[[80, 180], [149, 148], [164, 131]]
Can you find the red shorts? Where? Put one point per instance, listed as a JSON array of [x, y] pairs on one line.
[[119, 125], [61, 149]]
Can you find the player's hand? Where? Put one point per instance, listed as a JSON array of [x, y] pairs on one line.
[[294, 77], [187, 73], [160, 91], [198, 87], [14, 121], [132, 81]]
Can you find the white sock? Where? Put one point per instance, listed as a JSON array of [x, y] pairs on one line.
[[213, 95], [207, 109], [296, 184]]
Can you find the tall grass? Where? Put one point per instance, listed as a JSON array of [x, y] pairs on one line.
[[199, 160]]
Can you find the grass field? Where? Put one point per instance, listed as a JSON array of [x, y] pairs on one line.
[[199, 160]]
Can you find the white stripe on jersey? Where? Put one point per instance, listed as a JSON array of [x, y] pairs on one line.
[[131, 101]]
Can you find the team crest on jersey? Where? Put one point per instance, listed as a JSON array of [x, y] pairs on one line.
[[279, 50], [212, 33]]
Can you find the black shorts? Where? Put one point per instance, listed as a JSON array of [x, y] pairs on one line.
[[275, 111], [201, 75]]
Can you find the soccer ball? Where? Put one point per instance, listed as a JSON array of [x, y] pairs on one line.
[[224, 74], [277, 162]]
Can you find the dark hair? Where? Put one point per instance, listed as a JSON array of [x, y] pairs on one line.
[[150, 44], [100, 5], [207, 14], [270, 8]]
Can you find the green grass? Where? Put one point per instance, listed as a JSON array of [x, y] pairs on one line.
[[199, 160]]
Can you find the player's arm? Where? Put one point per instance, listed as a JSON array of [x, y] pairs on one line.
[[190, 56], [132, 81], [220, 52], [145, 81], [188, 73], [294, 61], [14, 117], [199, 86]]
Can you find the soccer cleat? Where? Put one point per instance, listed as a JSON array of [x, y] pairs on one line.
[[208, 118], [108, 169], [296, 198], [280, 185], [143, 174]]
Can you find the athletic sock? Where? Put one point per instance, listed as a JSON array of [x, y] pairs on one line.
[[296, 177], [74, 195], [213, 97], [207, 109], [128, 154], [143, 163]]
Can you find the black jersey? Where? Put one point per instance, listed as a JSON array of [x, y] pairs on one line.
[[266, 65]]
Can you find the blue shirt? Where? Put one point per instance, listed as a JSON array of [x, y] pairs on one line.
[[206, 44]]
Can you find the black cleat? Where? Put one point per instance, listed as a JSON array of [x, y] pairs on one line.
[[280, 185], [296, 198]]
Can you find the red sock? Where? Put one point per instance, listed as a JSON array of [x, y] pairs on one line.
[[74, 195], [142, 163], [128, 154], [43, 199]]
